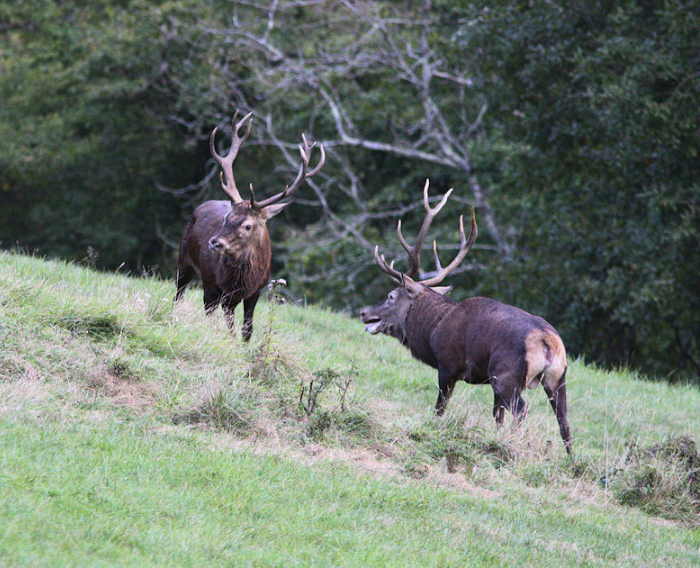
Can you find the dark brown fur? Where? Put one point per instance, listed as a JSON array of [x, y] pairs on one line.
[[228, 246], [479, 341]]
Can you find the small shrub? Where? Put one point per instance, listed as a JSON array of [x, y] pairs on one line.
[[270, 365], [310, 394], [325, 400], [350, 422], [318, 424]]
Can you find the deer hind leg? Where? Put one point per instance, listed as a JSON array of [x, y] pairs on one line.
[[556, 392], [506, 382]]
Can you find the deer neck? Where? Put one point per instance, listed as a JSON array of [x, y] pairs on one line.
[[426, 312], [244, 274]]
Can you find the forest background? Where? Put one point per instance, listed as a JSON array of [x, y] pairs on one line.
[[573, 127]]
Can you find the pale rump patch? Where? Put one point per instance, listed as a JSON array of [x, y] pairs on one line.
[[546, 358]]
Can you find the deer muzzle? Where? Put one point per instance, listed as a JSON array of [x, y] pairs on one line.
[[373, 322], [216, 245]]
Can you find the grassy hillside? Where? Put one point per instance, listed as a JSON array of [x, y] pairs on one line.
[[133, 433]]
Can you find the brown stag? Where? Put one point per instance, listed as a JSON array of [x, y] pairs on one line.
[[227, 243], [478, 340]]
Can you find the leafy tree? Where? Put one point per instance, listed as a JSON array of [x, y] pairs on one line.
[[605, 97], [81, 139]]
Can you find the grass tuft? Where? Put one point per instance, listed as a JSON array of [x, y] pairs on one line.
[[228, 408], [98, 323], [662, 479]]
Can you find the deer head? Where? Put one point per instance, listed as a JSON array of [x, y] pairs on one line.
[[389, 315], [244, 227]]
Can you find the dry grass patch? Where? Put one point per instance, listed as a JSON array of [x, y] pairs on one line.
[[119, 383]]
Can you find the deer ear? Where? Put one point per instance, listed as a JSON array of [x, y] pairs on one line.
[[442, 290], [413, 288], [271, 210]]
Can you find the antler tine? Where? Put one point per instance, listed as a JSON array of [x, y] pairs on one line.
[[435, 210], [305, 150], [228, 183], [252, 197], [435, 254], [415, 250], [465, 245], [321, 161], [388, 269], [403, 242]]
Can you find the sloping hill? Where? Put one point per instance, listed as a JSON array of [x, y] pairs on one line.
[[133, 432]]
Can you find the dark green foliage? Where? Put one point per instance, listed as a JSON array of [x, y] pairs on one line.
[[82, 144], [588, 148], [605, 96]]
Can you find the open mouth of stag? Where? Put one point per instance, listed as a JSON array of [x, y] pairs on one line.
[[373, 324]]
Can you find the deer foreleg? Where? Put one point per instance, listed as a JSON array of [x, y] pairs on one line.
[[248, 309], [212, 298], [446, 382]]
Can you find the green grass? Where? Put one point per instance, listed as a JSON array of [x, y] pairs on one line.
[[134, 433]]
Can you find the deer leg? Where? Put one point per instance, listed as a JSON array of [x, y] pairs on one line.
[[507, 386], [557, 398], [507, 399], [212, 297], [184, 277], [248, 309], [229, 313], [446, 382]]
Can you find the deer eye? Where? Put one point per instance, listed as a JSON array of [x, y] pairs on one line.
[[248, 227], [392, 295]]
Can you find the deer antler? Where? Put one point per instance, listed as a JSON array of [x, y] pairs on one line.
[[305, 150], [229, 185], [395, 275], [465, 245], [414, 251]]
